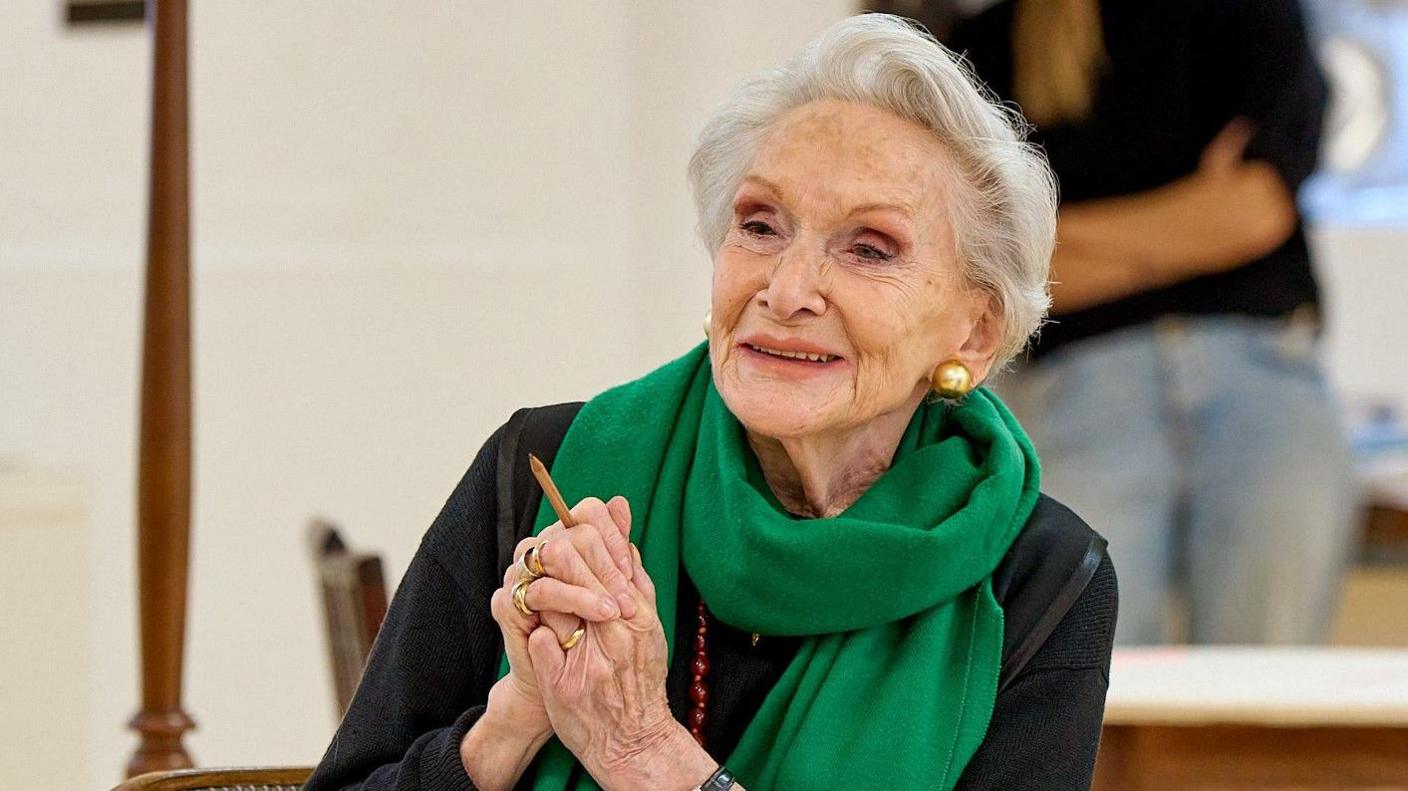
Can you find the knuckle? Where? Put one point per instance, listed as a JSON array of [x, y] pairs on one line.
[[559, 557], [586, 532], [610, 575], [592, 509], [561, 597], [580, 571], [551, 553], [535, 594], [611, 536]]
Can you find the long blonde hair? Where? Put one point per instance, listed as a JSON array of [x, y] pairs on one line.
[[1058, 54]]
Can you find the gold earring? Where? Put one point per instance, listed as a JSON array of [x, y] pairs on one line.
[[952, 379], [708, 323]]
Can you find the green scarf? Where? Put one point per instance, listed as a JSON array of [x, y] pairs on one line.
[[895, 682]]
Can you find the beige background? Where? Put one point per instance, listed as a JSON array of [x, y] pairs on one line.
[[409, 218]]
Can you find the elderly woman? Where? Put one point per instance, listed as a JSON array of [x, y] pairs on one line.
[[823, 560]]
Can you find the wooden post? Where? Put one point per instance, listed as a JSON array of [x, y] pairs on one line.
[[164, 475]]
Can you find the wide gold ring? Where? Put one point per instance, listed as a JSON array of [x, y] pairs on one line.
[[520, 596], [574, 638], [533, 561]]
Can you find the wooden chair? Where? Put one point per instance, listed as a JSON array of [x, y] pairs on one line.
[[354, 604], [243, 779], [1385, 538]]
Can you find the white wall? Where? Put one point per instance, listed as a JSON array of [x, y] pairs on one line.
[[1364, 273], [409, 218]]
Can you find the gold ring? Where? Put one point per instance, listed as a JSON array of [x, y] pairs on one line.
[[574, 638], [533, 561], [520, 596]]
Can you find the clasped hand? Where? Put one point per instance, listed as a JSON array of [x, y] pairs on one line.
[[605, 697]]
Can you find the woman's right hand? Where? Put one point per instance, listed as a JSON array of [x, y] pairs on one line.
[[588, 571]]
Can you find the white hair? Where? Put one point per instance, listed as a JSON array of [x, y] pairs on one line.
[[1004, 207]]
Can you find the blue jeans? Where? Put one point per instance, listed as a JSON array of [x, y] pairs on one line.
[[1210, 453]]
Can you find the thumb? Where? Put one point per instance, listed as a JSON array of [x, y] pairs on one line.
[[1226, 150], [547, 655]]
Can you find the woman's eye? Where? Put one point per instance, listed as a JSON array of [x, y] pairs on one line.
[[871, 253], [758, 228]]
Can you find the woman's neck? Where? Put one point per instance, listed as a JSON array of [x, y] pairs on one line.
[[821, 475]]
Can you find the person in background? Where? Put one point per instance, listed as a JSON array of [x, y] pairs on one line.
[[1175, 394]]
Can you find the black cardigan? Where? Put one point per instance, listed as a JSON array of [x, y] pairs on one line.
[[438, 651]]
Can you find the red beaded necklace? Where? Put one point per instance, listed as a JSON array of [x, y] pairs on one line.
[[699, 688]]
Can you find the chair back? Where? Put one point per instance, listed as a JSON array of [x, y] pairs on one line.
[[235, 779], [354, 603]]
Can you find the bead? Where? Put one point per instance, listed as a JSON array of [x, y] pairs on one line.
[[699, 690]]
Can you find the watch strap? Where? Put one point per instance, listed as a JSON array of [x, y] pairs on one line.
[[720, 780]]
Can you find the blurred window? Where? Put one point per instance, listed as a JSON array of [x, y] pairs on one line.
[[1363, 178]]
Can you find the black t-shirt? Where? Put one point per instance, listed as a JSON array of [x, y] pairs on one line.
[[1179, 71]]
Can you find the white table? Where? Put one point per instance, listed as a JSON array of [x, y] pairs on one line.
[[1233, 718]]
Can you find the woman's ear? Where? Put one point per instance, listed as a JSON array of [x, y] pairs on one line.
[[984, 336]]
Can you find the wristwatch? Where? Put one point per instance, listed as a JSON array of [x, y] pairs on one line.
[[720, 780]]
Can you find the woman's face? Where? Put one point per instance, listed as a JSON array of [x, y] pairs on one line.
[[836, 291]]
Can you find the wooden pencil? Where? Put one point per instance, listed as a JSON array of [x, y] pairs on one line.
[[559, 506]]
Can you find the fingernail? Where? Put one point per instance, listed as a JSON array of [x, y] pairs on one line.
[[626, 567], [608, 608], [628, 605]]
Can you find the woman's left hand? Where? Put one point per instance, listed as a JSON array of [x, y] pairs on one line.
[[605, 698]]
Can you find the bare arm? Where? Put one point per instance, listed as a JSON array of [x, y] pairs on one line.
[[1226, 213]]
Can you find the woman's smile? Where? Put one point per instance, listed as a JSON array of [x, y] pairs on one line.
[[789, 358]]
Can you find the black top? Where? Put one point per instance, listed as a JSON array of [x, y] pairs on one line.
[[1179, 71], [438, 654]]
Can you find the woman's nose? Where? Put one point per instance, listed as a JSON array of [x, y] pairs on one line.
[[795, 285]]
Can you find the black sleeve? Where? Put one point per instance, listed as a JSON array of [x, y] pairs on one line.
[[1045, 727], [434, 660], [1279, 84]]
